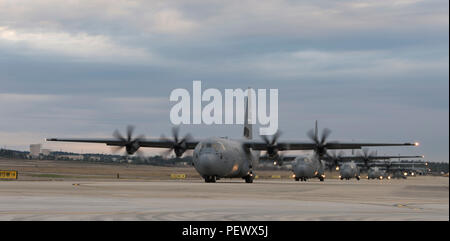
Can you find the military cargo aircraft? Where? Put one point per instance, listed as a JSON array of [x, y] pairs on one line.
[[217, 157], [349, 169]]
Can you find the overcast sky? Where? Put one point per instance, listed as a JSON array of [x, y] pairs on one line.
[[368, 70]]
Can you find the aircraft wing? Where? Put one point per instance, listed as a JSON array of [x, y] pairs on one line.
[[284, 158], [360, 158], [284, 146], [153, 142]]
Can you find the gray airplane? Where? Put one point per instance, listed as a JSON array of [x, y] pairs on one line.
[[399, 170], [349, 169], [377, 173], [215, 158]]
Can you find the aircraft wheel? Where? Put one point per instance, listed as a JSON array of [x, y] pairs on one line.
[[249, 179], [297, 179], [210, 179], [321, 179]]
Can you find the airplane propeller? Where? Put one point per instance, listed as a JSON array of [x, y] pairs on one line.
[[271, 145], [179, 146], [366, 156], [335, 158], [388, 165], [131, 144], [321, 144]]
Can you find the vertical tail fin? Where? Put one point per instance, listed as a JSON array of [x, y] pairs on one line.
[[248, 127]]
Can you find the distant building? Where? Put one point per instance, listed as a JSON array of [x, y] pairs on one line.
[[70, 157], [35, 150], [45, 152], [95, 158]]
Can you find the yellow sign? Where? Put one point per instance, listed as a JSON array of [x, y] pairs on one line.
[[8, 174], [276, 176], [178, 176]]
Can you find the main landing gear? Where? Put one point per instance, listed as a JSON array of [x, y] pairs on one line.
[[249, 178], [210, 179], [303, 179]]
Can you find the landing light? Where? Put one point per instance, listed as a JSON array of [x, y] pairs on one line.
[[381, 177], [389, 177], [405, 173], [340, 177], [274, 163], [337, 168]]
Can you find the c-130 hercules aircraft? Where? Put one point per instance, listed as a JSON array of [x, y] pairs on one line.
[[215, 157]]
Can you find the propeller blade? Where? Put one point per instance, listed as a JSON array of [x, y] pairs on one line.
[[130, 130], [325, 134], [117, 135], [312, 136], [175, 132]]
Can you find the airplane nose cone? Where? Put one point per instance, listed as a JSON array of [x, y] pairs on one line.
[[345, 173], [208, 164], [304, 171]]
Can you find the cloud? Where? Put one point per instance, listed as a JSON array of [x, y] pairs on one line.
[[171, 21], [87, 67], [78, 46]]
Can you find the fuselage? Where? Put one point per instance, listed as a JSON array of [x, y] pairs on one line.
[[305, 167], [349, 170], [376, 173], [222, 158]]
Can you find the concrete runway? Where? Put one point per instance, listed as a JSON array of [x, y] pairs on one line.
[[419, 198]]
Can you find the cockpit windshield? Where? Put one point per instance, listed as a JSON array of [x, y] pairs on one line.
[[216, 146]]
